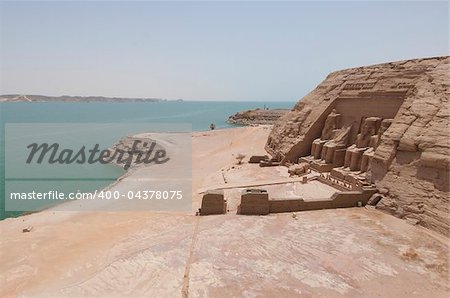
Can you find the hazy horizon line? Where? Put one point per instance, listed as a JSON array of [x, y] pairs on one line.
[[159, 98]]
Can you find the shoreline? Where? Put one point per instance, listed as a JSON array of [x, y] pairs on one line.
[[99, 253], [127, 174]]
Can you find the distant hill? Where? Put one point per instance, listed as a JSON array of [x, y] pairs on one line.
[[67, 98]]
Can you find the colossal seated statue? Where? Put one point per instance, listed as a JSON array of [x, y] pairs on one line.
[[332, 147], [366, 158], [374, 142], [358, 157], [376, 139], [331, 124], [354, 153]]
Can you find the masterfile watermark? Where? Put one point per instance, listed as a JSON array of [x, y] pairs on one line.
[[145, 155], [98, 166], [100, 195]]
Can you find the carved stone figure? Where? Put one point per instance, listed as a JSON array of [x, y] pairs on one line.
[[339, 142], [354, 153], [331, 124], [366, 158], [374, 142], [369, 129]]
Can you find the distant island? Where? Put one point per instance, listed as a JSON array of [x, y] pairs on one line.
[[67, 98]]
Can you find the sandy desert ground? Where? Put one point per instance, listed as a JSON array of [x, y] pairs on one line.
[[351, 252]]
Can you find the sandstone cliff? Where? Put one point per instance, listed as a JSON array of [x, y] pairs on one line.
[[411, 165]]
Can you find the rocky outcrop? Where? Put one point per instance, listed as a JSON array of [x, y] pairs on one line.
[[257, 116], [411, 162], [132, 151]]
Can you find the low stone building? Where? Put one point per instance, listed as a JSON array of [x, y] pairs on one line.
[[254, 202], [213, 202]]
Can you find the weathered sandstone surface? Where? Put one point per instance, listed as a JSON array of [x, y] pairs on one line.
[[350, 252], [257, 116], [410, 163]]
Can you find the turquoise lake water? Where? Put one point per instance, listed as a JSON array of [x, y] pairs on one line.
[[200, 114]]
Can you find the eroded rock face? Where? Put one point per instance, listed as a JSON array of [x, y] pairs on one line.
[[411, 161], [257, 116]]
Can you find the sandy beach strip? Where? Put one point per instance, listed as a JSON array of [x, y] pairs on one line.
[[342, 252]]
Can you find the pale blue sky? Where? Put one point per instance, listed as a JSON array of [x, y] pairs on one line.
[[206, 50]]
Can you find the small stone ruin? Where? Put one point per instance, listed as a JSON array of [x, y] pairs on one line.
[[254, 202], [213, 202]]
